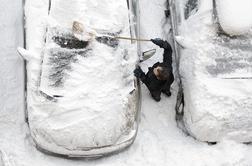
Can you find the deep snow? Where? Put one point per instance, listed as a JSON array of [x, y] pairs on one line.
[[159, 141]]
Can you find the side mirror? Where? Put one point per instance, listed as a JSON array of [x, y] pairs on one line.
[[148, 54]]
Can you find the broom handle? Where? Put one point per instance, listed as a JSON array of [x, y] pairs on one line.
[[129, 38], [78, 28]]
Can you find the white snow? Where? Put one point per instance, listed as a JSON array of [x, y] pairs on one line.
[[235, 16], [159, 141]]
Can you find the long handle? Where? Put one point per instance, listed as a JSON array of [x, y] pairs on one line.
[[78, 28], [129, 38]]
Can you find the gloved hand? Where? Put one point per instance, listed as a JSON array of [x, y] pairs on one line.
[[157, 41], [161, 43], [138, 72]]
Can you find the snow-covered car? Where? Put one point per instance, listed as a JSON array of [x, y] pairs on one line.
[[82, 97], [215, 69]]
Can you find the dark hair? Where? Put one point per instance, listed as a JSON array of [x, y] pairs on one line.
[[163, 73]]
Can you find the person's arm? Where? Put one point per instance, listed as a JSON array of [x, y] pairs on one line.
[[167, 56], [138, 72]]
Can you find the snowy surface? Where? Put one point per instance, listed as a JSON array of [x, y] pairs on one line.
[[159, 141], [235, 16]]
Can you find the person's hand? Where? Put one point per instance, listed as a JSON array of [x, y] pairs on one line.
[[161, 43], [157, 41], [138, 72]]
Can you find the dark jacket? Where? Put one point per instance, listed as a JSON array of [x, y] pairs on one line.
[[154, 85]]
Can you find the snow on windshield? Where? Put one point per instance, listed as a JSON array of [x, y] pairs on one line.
[[219, 55]]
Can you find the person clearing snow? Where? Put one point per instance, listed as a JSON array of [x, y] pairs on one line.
[[159, 77]]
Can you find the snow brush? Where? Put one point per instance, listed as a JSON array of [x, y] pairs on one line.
[[79, 31]]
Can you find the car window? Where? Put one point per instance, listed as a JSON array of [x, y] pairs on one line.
[[191, 7]]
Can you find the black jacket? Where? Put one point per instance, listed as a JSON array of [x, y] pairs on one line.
[[150, 80]]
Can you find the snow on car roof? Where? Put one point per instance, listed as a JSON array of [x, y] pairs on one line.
[[106, 15], [235, 16]]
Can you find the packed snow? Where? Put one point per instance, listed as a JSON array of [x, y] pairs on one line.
[[159, 141]]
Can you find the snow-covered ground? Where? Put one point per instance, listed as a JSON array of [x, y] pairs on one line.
[[159, 142]]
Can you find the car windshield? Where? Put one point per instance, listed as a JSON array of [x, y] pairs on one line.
[[233, 57]]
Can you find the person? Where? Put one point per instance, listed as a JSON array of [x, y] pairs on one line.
[[160, 76]]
